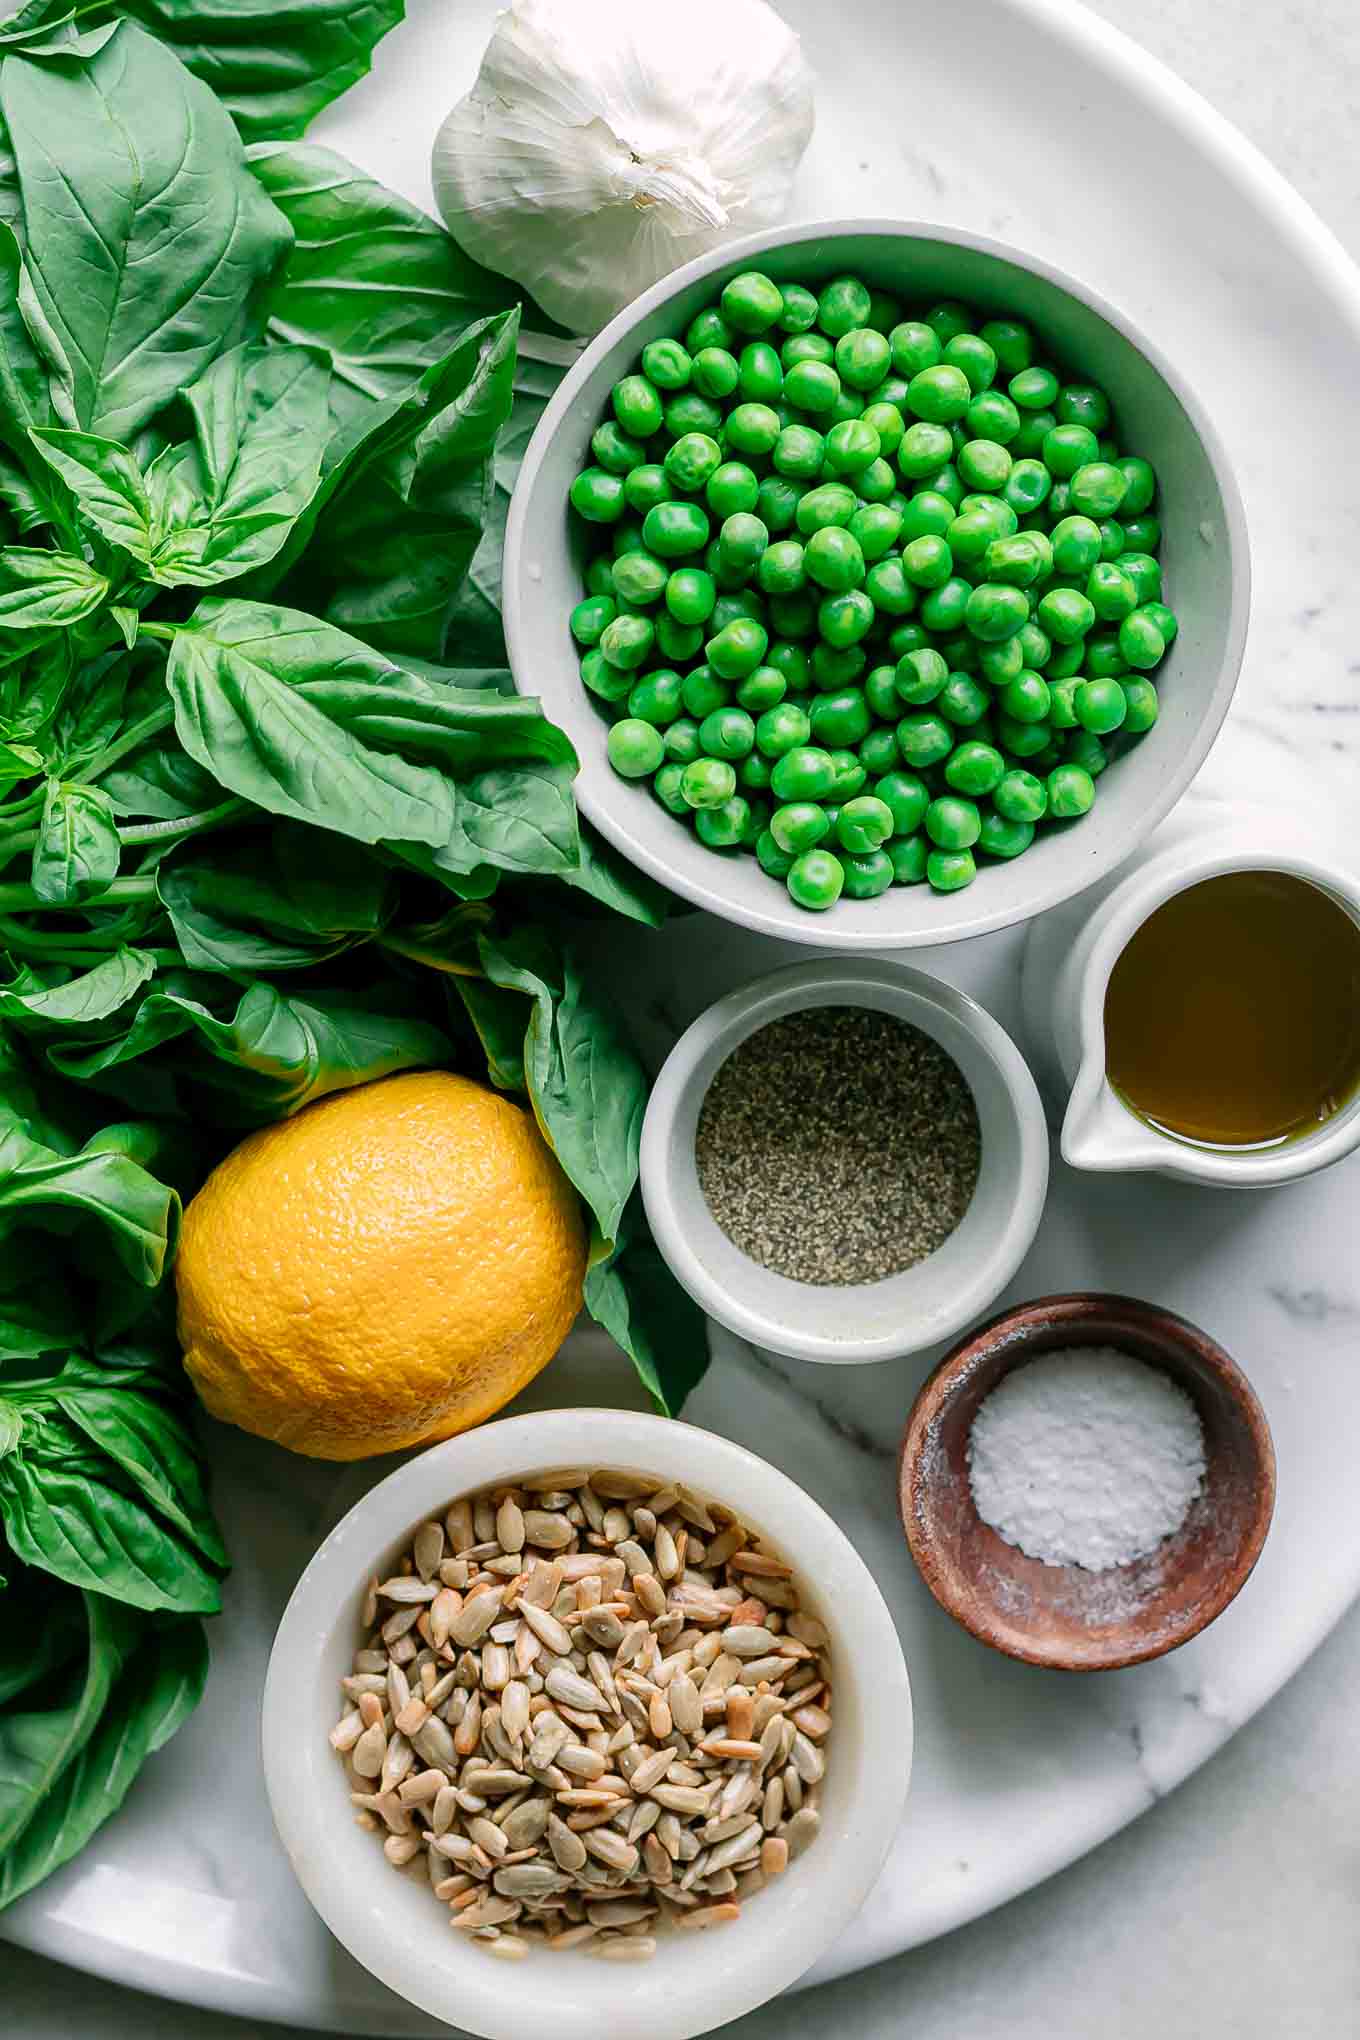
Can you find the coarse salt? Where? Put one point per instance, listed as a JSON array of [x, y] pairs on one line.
[[1086, 1457]]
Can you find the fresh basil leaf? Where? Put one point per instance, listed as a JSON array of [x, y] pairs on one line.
[[156, 1020], [37, 1745], [124, 159], [11, 1426], [370, 278], [156, 1692], [107, 484], [46, 590], [144, 1437], [397, 531], [284, 900], [498, 1017], [307, 722], [76, 855], [159, 780], [23, 379], [585, 1083], [632, 1293], [38, 1314], [39, 1186], [44, 1627], [607, 876], [67, 1512], [273, 63], [84, 997]]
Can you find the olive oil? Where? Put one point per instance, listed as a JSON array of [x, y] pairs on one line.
[[1232, 1017]]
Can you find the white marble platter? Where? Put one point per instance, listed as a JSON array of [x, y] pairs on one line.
[[1029, 120]]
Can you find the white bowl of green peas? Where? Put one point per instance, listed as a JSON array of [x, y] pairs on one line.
[[841, 555]]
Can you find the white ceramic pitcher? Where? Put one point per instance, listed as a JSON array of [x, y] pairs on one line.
[[1071, 951]]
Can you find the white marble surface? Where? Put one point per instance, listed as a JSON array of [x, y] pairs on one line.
[[1229, 1907]]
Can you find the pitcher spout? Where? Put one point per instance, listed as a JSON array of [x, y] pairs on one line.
[[1101, 1133]]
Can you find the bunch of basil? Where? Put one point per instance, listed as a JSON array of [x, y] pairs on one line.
[[271, 820]]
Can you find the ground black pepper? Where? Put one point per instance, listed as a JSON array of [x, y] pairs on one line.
[[838, 1145]]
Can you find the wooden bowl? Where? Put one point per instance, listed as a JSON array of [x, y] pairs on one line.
[[1063, 1616]]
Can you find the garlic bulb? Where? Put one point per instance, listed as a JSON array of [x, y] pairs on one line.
[[606, 141]]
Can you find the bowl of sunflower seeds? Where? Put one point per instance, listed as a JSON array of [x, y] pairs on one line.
[[571, 1699]]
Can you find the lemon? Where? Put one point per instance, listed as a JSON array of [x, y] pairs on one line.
[[388, 1267]]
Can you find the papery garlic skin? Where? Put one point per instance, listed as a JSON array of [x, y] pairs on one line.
[[607, 141]]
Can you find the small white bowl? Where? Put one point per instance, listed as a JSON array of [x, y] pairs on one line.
[[1205, 549], [399, 1930], [855, 1322]]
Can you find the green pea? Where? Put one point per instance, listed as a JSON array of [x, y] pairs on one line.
[[1065, 614], [670, 530], [973, 768], [690, 595], [708, 329], [1100, 705], [666, 364], [1033, 389], [1097, 489], [952, 823], [851, 447], [1028, 442], [627, 641], [1110, 591], [1000, 663], [1083, 404], [831, 504], [702, 691], [656, 698], [761, 377], [806, 773], [1140, 641], [907, 855], [878, 751], [753, 428], [605, 682], [682, 739], [945, 608], [1065, 660], [614, 450], [1067, 448], [777, 502], [984, 464], [875, 529], [752, 302], [975, 529], [949, 318], [880, 691], [950, 870], [1012, 344], [731, 488], [996, 611], [924, 449], [637, 406], [836, 666], [834, 559], [992, 416], [816, 880], [800, 308], [727, 733], [867, 873], [840, 719], [640, 578], [1018, 560], [762, 689], [927, 515], [962, 700], [1036, 647], [1026, 486], [792, 661], [635, 749], [864, 824], [914, 346], [1145, 575], [742, 540], [1071, 790], [1020, 797], [1058, 499], [725, 827], [939, 394], [687, 411], [850, 776], [782, 730], [924, 740], [646, 486], [1164, 618], [863, 357], [597, 496], [812, 386], [973, 354], [781, 570], [1021, 739], [799, 452], [708, 782], [1062, 703], [887, 421], [905, 798], [737, 648], [799, 825], [1142, 534], [806, 347], [589, 618], [919, 676], [693, 458], [794, 616], [845, 618], [889, 589], [626, 537], [1141, 706], [600, 576], [844, 304], [927, 561], [776, 863], [1000, 838], [1026, 698], [1084, 748], [666, 787], [676, 641]]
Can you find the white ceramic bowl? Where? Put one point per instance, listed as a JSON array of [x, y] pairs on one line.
[[1205, 547], [398, 1929], [867, 1320]]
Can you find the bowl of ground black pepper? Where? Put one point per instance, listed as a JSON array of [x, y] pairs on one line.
[[844, 1162]]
